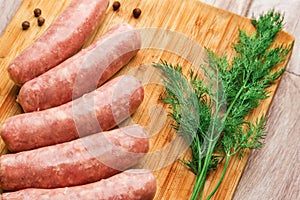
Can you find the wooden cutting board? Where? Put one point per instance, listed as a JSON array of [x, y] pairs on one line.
[[207, 26]]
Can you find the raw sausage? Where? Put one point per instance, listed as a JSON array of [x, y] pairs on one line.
[[61, 40], [133, 184], [96, 111], [77, 162], [83, 72]]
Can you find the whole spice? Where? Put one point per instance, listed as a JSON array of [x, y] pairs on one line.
[[136, 12], [217, 138], [37, 12], [25, 25], [41, 21], [116, 5]]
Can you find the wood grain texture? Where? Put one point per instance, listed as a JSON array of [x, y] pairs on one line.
[[8, 9], [203, 24], [273, 172], [240, 7]]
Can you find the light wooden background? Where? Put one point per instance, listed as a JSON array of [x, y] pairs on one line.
[[274, 171]]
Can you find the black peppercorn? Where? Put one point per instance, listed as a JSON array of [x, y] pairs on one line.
[[116, 5], [136, 12], [25, 25], [41, 21], [37, 12]]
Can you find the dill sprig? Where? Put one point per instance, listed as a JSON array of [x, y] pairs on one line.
[[213, 122]]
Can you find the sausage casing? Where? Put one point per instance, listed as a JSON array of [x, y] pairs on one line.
[[61, 40], [83, 72], [77, 162], [96, 111]]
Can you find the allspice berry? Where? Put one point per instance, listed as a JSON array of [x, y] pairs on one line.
[[116, 5], [25, 25], [41, 21], [136, 12], [37, 12]]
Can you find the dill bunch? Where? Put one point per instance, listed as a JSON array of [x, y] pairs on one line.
[[217, 128]]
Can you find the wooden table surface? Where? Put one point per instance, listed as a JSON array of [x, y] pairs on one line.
[[274, 171]]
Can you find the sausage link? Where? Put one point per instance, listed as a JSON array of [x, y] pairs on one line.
[[83, 72], [77, 162], [133, 184], [96, 111], [61, 40]]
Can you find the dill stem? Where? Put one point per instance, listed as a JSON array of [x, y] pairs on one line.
[[200, 179], [236, 98], [221, 178]]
